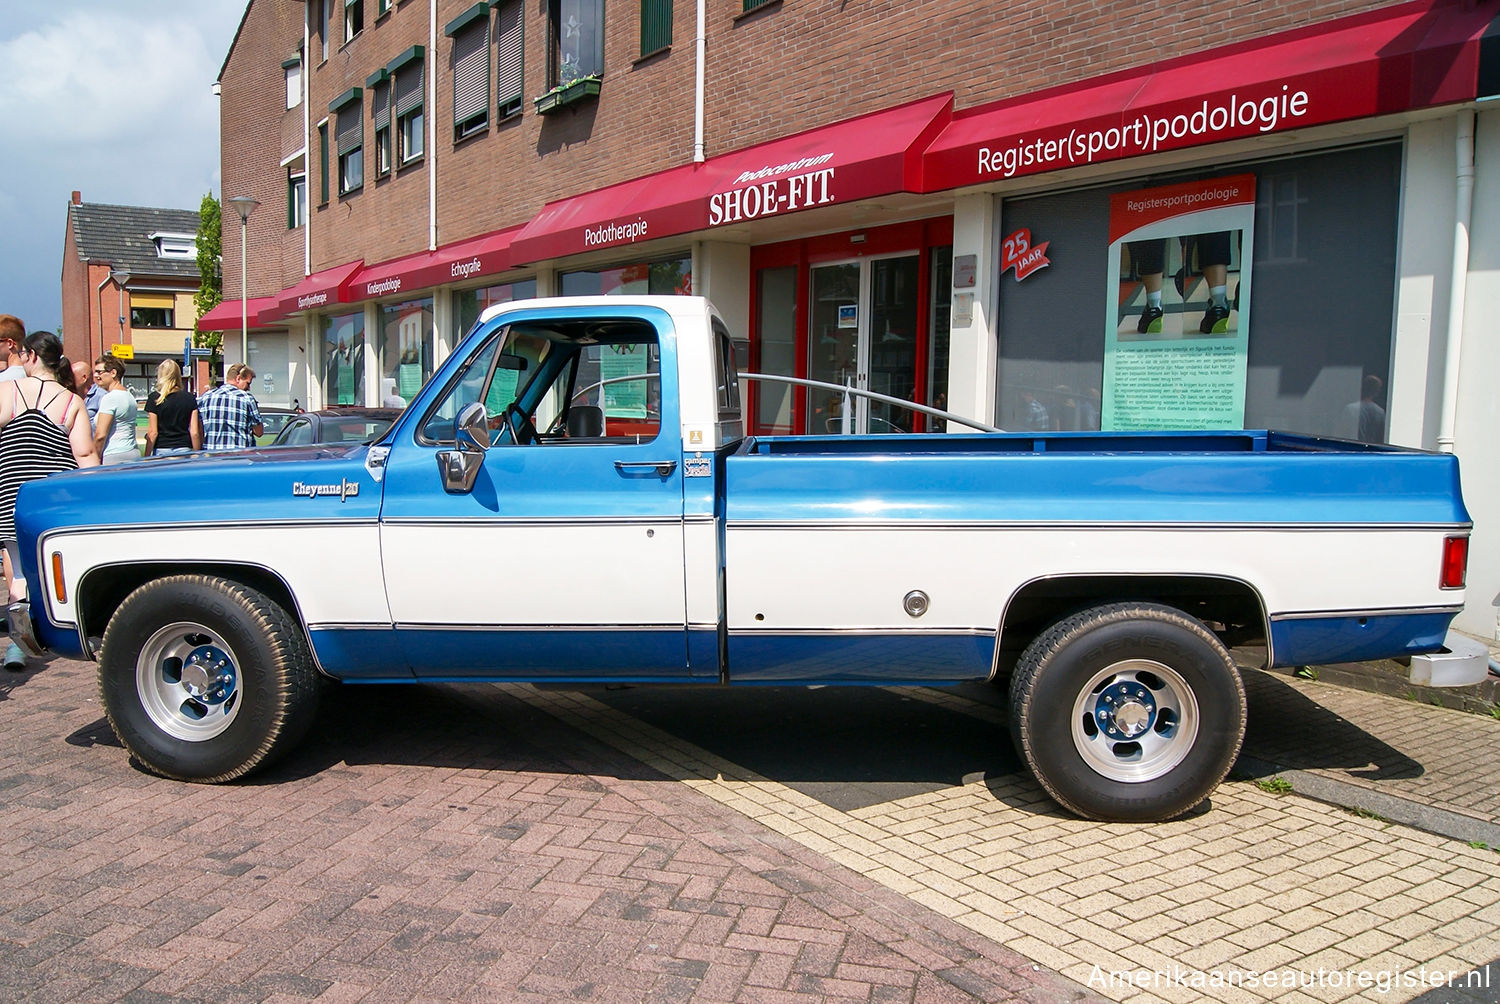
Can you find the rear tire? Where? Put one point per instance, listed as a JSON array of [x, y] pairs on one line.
[[204, 679], [1130, 712]]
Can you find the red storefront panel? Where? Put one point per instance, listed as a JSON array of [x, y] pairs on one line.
[[226, 316], [317, 292], [1415, 55], [488, 254], [860, 158]]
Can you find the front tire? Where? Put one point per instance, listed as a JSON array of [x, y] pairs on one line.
[[1130, 712], [204, 679]]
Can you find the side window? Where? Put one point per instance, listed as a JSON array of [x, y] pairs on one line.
[[620, 383], [492, 376], [299, 433], [727, 375]]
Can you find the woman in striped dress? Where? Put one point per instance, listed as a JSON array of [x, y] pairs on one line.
[[44, 428]]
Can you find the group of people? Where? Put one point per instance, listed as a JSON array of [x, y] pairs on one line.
[[57, 416]]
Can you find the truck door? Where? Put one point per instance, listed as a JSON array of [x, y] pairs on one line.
[[563, 557]]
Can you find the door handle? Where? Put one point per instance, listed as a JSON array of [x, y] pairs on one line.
[[661, 467]]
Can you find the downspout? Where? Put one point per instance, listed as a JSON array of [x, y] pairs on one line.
[[1454, 337], [702, 46], [307, 174], [431, 116]]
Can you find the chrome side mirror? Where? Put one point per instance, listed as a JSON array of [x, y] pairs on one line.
[[459, 468]]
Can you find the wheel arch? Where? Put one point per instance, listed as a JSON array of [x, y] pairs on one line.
[[1234, 604], [102, 588]]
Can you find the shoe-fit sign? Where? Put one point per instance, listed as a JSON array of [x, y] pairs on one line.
[[1177, 305]]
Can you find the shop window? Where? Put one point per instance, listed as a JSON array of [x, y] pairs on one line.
[[343, 359], [510, 49], [656, 26], [471, 73], [940, 306], [1308, 298], [776, 341], [354, 18], [292, 71], [577, 45], [468, 304], [405, 350], [669, 277], [296, 199]]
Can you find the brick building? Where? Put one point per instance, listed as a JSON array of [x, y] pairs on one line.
[[1125, 216], [129, 275]]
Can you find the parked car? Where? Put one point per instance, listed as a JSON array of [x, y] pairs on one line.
[[273, 419], [335, 425]]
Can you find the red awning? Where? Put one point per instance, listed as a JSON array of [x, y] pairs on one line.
[[1415, 55], [860, 158], [318, 290], [469, 259], [226, 316]]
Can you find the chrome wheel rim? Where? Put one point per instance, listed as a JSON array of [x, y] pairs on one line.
[[189, 681], [1135, 720]]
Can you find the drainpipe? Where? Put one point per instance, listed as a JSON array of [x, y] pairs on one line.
[[430, 114], [307, 174], [702, 45], [1454, 338]]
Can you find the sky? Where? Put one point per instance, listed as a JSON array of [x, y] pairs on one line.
[[113, 98]]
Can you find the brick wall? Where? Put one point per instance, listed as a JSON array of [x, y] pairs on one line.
[[77, 313], [790, 66]]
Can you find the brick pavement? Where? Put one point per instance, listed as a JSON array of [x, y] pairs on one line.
[[1260, 881], [435, 844]]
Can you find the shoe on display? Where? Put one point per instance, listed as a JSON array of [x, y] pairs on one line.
[[15, 659], [1215, 320], [1150, 322]]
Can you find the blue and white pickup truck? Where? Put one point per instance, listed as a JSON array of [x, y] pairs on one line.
[[571, 498]]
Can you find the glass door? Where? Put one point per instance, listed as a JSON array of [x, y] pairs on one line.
[[863, 334]]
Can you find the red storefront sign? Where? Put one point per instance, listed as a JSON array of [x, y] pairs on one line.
[[479, 256], [860, 158], [318, 291], [1415, 55]]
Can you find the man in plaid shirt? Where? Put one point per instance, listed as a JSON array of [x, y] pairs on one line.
[[231, 418]]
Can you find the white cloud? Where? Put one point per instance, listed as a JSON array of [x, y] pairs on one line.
[[99, 77]]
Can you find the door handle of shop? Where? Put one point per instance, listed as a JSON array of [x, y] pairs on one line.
[[661, 467]]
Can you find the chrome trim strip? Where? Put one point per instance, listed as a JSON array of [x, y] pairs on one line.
[[258, 524], [1073, 526], [807, 632], [1306, 615], [517, 628], [525, 522]]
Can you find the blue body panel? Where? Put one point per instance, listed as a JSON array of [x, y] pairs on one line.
[[1322, 640], [1093, 478], [853, 658]]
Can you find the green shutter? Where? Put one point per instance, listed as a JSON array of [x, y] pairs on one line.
[[656, 25]]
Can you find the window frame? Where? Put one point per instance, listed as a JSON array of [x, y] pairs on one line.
[[408, 108], [323, 162], [379, 85], [354, 19], [556, 60], [296, 209], [351, 162], [656, 27], [509, 105], [292, 70], [466, 51]]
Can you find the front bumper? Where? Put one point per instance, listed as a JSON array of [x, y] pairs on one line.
[[22, 631]]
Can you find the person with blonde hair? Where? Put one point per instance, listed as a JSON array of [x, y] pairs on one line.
[[172, 421]]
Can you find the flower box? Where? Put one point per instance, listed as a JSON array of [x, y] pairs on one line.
[[567, 94]]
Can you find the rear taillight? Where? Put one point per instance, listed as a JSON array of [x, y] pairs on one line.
[[1455, 561]]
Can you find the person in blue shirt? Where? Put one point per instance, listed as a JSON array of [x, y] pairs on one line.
[[231, 418]]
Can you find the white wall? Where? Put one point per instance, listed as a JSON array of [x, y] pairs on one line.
[[972, 347], [1478, 425]]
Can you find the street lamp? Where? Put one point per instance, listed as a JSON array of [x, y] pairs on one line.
[[120, 277], [244, 205]]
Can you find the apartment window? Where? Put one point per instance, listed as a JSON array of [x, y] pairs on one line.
[[471, 71], [151, 310], [349, 132], [382, 8], [656, 26], [323, 18], [354, 18], [296, 199], [380, 106], [170, 245], [577, 48], [292, 70], [509, 52], [752, 4], [323, 162], [406, 96]]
